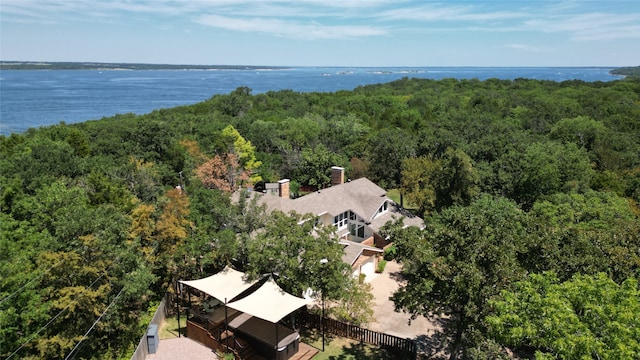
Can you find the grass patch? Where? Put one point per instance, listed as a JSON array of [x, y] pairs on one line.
[[337, 348], [169, 328], [394, 194]]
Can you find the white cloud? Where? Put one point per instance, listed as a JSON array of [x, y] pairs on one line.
[[448, 13], [289, 29], [590, 26], [526, 48], [334, 19]]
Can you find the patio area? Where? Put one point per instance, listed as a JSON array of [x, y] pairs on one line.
[[182, 348], [171, 347]]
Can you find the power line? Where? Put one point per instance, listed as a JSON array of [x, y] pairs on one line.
[[29, 282], [75, 300], [94, 324], [50, 321], [76, 250]]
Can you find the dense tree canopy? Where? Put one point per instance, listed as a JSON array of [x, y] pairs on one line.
[[515, 178], [582, 318]]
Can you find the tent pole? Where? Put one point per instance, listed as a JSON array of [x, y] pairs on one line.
[[276, 340], [226, 324], [178, 306]]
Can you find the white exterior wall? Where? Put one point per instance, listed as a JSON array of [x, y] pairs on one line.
[[326, 219]]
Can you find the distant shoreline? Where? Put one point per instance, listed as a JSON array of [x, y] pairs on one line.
[[43, 65], [52, 65]]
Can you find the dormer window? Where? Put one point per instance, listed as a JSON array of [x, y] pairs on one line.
[[383, 208]]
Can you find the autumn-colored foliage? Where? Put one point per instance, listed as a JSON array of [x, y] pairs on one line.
[[222, 172], [193, 149]]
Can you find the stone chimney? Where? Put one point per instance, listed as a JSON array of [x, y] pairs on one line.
[[337, 175], [283, 188]]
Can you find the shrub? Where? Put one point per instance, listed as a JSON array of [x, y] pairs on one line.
[[390, 253]]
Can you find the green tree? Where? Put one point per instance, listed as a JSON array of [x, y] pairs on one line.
[[586, 317], [463, 257], [546, 168], [292, 247], [315, 166], [581, 130], [456, 184], [386, 151], [238, 145], [419, 181], [583, 233]]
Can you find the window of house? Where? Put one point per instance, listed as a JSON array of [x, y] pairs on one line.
[[383, 208], [356, 230], [340, 221]]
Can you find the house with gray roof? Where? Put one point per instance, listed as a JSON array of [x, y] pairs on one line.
[[357, 209]]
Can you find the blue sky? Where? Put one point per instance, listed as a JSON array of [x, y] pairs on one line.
[[324, 33]]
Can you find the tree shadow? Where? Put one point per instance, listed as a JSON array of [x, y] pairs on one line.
[[434, 346], [397, 276], [362, 351]]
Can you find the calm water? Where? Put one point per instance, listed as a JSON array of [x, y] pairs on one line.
[[37, 98]]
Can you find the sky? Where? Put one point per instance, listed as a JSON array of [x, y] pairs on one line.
[[323, 32]]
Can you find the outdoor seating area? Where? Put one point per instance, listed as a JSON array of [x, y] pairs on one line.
[[232, 315]]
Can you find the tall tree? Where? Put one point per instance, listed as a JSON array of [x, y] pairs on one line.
[[419, 182], [387, 149], [433, 184], [222, 172], [463, 257], [294, 248], [172, 228], [315, 166], [242, 148], [456, 184]]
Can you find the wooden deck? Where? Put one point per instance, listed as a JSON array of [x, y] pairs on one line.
[[305, 352], [240, 347]]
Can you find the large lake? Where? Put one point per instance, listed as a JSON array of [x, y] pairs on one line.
[[33, 98]]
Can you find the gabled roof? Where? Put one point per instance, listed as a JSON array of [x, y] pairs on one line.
[[361, 196], [353, 250], [397, 212]]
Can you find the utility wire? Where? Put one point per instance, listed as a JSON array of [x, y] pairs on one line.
[[61, 311], [50, 321], [29, 282], [59, 262], [94, 324]]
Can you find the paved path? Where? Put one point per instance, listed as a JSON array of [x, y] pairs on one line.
[[182, 348], [389, 321], [421, 329]]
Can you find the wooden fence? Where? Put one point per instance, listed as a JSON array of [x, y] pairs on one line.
[[404, 348], [142, 350]]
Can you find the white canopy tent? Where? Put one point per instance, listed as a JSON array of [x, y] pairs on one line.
[[224, 286], [269, 302]]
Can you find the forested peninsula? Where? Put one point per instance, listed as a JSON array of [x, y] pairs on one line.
[[530, 192], [627, 71]]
